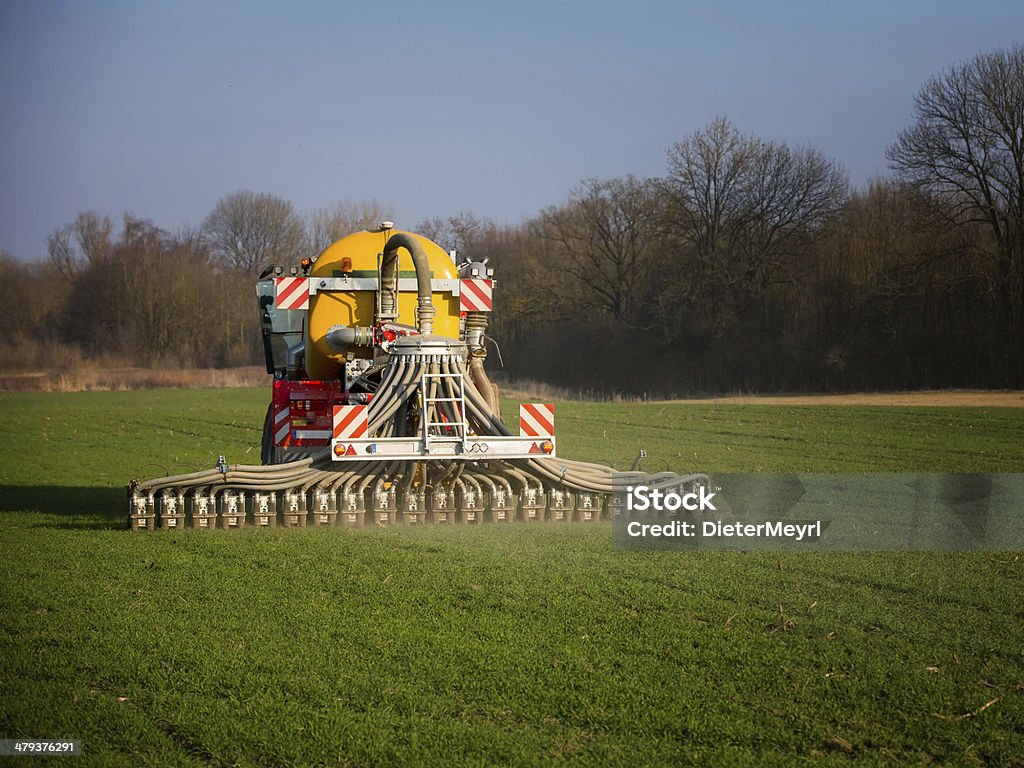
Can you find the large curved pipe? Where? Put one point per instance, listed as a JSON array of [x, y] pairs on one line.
[[388, 268], [476, 329]]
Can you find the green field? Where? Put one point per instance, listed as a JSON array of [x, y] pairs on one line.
[[507, 645]]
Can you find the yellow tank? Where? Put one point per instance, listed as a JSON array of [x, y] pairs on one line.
[[358, 255]]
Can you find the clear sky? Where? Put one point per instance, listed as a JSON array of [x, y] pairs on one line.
[[498, 108]]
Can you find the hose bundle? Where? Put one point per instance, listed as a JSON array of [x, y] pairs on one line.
[[426, 380]]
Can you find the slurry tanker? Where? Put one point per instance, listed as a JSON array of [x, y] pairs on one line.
[[381, 410]]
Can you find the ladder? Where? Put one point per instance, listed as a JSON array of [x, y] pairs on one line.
[[439, 430]]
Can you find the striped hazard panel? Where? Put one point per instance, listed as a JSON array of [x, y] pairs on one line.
[[537, 420], [350, 422], [475, 295], [292, 293], [282, 425]]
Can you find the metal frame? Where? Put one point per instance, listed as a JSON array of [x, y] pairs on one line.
[[405, 284], [431, 446]]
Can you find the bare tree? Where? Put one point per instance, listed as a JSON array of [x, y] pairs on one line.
[[464, 232], [967, 147], [190, 237], [85, 242], [604, 232], [326, 225], [705, 192], [93, 235], [743, 203], [142, 234], [742, 217], [248, 230], [62, 253], [787, 195]]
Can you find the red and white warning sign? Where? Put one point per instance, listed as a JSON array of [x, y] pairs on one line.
[[536, 420], [282, 424], [475, 295], [350, 422], [292, 292]]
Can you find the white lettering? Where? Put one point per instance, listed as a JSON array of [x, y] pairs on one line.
[[640, 498], [705, 501]]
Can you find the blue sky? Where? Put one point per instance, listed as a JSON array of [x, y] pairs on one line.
[[433, 109]]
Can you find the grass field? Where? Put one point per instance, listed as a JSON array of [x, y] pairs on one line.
[[509, 645]]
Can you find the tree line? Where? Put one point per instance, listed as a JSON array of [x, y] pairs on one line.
[[749, 265], [138, 295]]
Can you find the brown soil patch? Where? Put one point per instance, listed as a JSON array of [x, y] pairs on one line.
[[943, 399]]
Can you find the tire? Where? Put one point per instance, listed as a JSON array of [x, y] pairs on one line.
[[270, 453]]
